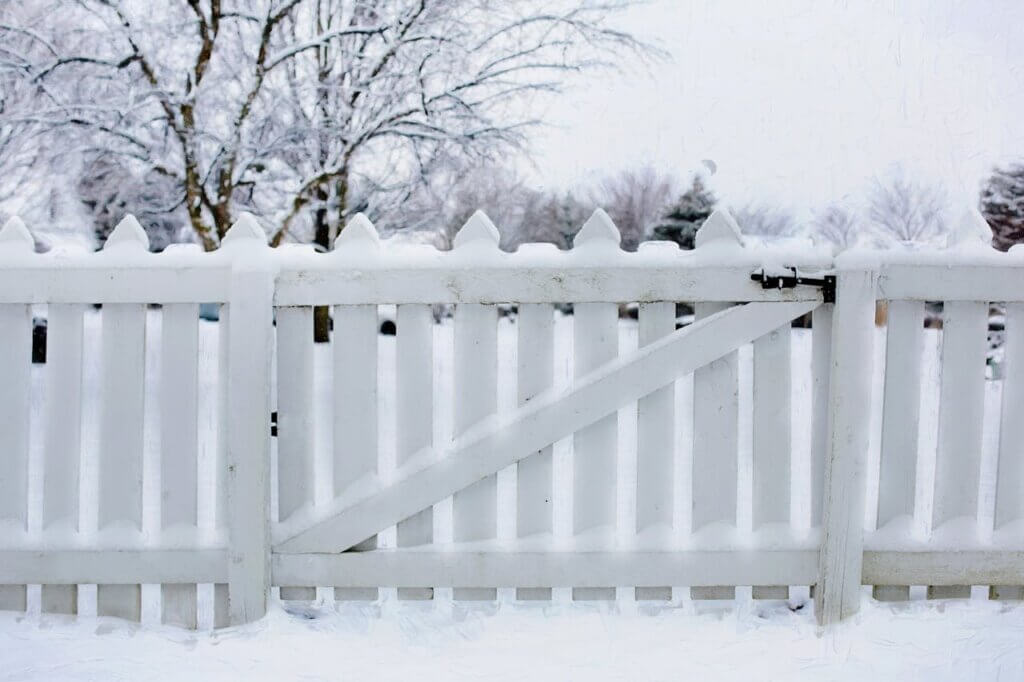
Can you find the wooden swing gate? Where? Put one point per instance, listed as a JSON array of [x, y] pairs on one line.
[[443, 499], [391, 466]]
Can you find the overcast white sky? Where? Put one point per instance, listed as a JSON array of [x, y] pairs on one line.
[[801, 101]]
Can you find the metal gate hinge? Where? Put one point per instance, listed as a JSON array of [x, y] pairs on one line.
[[827, 283]]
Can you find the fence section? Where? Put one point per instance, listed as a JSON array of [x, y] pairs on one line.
[[485, 425]]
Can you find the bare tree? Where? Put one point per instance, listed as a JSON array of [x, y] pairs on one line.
[[635, 199], [764, 220], [302, 111], [838, 225], [907, 211]]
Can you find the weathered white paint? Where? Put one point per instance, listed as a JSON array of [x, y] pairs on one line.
[[179, 444], [595, 342], [655, 443], [248, 446], [474, 508], [821, 370], [15, 364], [961, 407], [900, 409], [64, 395], [414, 376], [295, 482], [355, 394], [772, 442], [1010, 478], [561, 569], [92, 566], [120, 456], [355, 458], [837, 594], [534, 474], [62, 445]]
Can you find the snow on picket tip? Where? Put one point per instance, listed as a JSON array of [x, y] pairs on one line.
[[720, 228], [479, 229], [358, 232], [127, 234], [15, 237], [599, 229], [245, 230]]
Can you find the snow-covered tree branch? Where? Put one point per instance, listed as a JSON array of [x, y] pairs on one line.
[[301, 111]]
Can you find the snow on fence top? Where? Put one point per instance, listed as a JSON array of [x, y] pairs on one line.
[[363, 268]]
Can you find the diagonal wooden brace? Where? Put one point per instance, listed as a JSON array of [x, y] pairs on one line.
[[495, 443]]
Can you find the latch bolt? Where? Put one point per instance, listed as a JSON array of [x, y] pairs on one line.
[[827, 284]]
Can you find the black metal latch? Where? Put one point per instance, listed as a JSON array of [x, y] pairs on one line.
[[790, 281]]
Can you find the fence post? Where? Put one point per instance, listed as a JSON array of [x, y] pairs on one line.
[[837, 595], [248, 420]]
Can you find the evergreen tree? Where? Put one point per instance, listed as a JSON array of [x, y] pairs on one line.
[[1002, 204], [685, 216]]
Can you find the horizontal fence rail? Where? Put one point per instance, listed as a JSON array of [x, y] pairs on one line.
[[194, 430]]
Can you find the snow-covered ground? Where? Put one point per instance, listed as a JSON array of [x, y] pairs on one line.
[[925, 640]]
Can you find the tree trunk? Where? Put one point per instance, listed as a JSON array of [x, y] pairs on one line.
[[322, 239]]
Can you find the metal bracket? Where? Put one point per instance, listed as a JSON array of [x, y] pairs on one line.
[[827, 284]]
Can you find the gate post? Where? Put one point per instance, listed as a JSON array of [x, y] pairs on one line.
[[837, 594], [250, 339]]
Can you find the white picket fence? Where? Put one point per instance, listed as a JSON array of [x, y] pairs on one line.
[[492, 456]]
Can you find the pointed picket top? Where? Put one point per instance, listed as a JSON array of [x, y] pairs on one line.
[[478, 228], [15, 237], [599, 229], [127, 233], [358, 232], [720, 227], [245, 230], [972, 230]]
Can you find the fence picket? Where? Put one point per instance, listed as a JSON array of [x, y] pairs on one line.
[[248, 412], [961, 406], [474, 509], [655, 444], [15, 367], [715, 446], [179, 446], [121, 420], [901, 403], [1010, 472], [1009, 501], [355, 410], [414, 352], [595, 342], [535, 494], [63, 445], [295, 483], [772, 442], [821, 370], [221, 617]]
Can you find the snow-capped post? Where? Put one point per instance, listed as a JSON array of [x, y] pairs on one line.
[[475, 509], [248, 419], [595, 342], [715, 412], [837, 594]]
